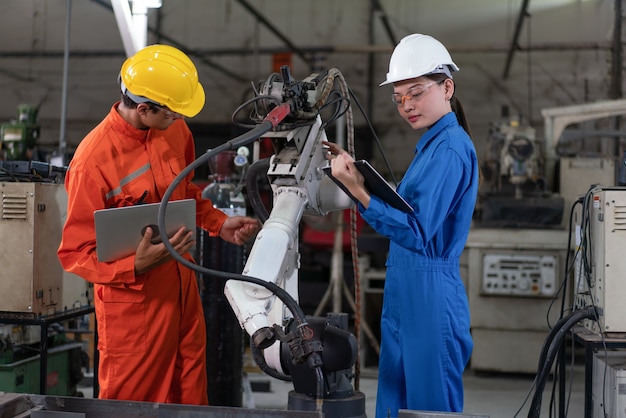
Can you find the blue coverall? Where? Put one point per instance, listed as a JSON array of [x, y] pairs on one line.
[[425, 327]]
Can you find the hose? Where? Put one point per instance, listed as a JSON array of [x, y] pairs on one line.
[[232, 144], [256, 169], [271, 121], [554, 344], [259, 360]]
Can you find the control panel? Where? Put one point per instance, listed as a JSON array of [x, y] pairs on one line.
[[519, 274]]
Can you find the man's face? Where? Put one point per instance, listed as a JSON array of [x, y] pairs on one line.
[[157, 117]]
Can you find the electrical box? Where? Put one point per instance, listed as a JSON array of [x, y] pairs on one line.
[[605, 286], [609, 384], [32, 215]]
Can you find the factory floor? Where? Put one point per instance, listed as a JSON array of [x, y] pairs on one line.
[[492, 395], [486, 395]]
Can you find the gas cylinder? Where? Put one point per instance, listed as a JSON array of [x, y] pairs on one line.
[[225, 194], [225, 338]]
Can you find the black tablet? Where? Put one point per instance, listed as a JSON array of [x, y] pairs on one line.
[[376, 185]]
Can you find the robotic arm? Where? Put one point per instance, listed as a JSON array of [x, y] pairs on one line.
[[299, 187], [318, 353]]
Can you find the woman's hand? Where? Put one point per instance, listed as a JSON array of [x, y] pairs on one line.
[[334, 150], [344, 170]]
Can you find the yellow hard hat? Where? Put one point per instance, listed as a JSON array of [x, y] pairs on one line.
[[164, 75]]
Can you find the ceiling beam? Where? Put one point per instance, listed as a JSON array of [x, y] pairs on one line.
[[378, 9], [292, 47], [189, 51], [328, 49], [523, 13]]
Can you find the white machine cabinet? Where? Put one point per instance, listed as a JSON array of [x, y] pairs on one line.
[[609, 384], [608, 244], [32, 215], [513, 275]]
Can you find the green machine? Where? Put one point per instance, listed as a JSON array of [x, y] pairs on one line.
[[19, 137], [20, 362], [62, 376]]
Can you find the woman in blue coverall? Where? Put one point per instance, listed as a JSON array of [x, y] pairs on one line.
[[425, 327]]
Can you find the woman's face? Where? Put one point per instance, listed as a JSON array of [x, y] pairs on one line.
[[422, 101]]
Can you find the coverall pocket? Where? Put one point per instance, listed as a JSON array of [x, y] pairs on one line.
[[131, 192], [124, 321], [176, 165]]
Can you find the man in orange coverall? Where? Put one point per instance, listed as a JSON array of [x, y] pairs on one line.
[[151, 328]]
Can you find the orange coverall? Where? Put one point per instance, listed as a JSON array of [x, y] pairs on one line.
[[151, 329]]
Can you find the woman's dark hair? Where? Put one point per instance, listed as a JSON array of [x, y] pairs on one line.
[[458, 110], [455, 103]]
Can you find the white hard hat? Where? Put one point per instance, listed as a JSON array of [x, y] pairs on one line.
[[417, 55]]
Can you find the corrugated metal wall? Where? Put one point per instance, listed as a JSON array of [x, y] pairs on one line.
[[569, 60]]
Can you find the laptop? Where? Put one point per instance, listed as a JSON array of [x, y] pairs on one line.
[[119, 230]]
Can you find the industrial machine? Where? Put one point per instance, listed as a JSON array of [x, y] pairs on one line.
[[514, 192], [609, 378], [600, 263], [19, 137], [599, 284], [34, 286], [316, 353], [518, 257], [513, 280], [33, 208], [515, 253], [32, 218], [589, 186]]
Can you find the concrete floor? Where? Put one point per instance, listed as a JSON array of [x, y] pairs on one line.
[[491, 395], [486, 395]]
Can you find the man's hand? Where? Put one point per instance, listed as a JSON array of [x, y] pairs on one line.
[[239, 229], [150, 255]]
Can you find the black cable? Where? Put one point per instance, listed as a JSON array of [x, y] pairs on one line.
[[255, 170], [342, 105], [583, 257], [570, 263], [273, 100], [587, 253], [544, 351], [259, 360], [235, 143], [273, 120], [550, 354], [587, 261], [377, 140]]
